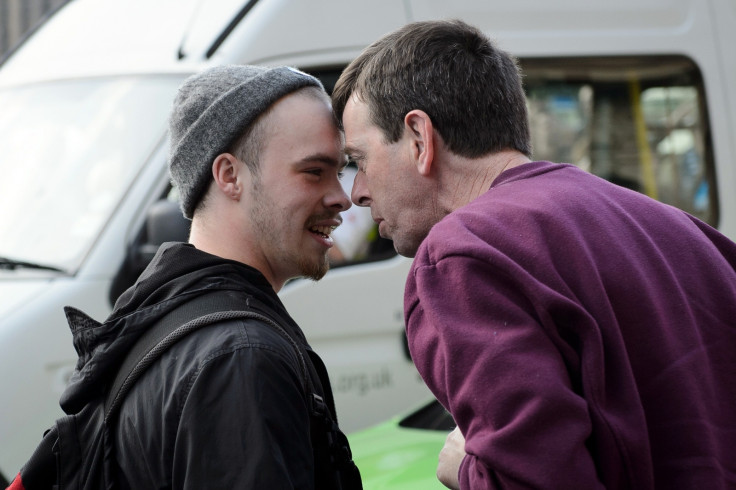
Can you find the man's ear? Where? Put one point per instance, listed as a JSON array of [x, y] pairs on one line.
[[418, 126], [227, 172]]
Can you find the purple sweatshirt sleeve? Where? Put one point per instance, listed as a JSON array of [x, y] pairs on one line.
[[486, 357]]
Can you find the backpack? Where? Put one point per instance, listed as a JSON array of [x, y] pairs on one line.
[[77, 451]]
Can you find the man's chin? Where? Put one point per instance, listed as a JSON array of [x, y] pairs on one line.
[[406, 248], [402, 247], [316, 269]]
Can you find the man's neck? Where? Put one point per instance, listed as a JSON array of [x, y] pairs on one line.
[[220, 243], [468, 179]]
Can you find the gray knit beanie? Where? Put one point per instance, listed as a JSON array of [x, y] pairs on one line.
[[214, 108]]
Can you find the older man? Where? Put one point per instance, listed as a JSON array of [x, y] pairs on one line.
[[581, 334]]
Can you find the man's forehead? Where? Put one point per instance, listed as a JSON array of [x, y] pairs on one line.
[[355, 103], [355, 125]]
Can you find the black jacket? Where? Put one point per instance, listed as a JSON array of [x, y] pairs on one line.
[[225, 407]]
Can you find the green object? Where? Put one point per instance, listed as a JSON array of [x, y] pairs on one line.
[[402, 452]]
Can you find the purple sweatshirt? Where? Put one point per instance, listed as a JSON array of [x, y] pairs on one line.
[[581, 334]]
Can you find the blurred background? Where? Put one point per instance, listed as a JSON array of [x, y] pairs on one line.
[[19, 17]]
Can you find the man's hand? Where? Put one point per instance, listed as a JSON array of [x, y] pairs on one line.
[[451, 456]]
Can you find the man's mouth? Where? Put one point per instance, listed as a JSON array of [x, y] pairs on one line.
[[324, 231]]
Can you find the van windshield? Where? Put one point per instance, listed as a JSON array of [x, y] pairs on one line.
[[69, 151]]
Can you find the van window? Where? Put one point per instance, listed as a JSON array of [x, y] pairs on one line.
[[70, 150], [638, 122]]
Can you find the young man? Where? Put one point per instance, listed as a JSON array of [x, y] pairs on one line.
[[256, 156], [581, 334]]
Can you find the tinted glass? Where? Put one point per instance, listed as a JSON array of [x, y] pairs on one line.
[[638, 122]]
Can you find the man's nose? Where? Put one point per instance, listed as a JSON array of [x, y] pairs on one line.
[[360, 194], [337, 198]]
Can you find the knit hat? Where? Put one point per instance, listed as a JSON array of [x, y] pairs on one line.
[[214, 108]]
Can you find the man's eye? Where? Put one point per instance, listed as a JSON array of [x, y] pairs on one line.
[[356, 162], [340, 174]]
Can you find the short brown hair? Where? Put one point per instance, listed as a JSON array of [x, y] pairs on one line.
[[452, 71]]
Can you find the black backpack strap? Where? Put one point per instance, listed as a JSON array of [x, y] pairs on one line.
[[340, 471], [199, 312], [39, 472]]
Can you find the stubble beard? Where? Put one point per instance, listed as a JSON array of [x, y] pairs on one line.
[[263, 217]]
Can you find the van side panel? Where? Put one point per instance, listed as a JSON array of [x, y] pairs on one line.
[[723, 108]]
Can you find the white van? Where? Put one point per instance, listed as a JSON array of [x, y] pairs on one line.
[[637, 91]]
